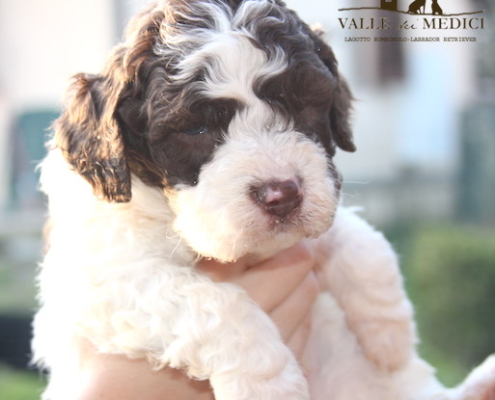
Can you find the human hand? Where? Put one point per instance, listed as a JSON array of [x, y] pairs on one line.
[[284, 286]]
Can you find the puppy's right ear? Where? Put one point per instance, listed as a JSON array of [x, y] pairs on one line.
[[89, 136], [342, 97]]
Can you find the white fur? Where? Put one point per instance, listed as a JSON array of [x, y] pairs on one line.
[[134, 292], [235, 225], [362, 344]]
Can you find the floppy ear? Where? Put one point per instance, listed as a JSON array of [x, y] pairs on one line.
[[89, 130], [341, 106], [90, 139]]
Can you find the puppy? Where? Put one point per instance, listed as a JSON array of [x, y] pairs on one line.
[[210, 133]]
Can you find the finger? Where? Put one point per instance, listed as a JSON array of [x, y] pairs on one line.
[[297, 341], [115, 377], [271, 282], [291, 314]]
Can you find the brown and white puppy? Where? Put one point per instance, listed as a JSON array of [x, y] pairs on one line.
[[210, 133]]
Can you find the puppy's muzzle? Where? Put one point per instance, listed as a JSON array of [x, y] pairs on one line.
[[278, 198]]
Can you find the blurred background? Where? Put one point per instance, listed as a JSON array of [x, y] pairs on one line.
[[424, 171]]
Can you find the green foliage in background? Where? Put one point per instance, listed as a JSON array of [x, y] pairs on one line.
[[450, 276], [17, 287], [16, 385]]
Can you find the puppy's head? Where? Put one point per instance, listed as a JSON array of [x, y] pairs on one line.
[[233, 108]]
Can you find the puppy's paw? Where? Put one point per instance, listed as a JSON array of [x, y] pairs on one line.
[[388, 344], [480, 384], [290, 384]]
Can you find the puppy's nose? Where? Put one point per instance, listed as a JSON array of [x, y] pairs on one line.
[[279, 198]]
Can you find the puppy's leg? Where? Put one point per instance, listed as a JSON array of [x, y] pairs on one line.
[[211, 331], [480, 384], [360, 269], [239, 348]]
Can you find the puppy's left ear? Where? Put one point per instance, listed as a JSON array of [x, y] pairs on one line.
[[342, 97]]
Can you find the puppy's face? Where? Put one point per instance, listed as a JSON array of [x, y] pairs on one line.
[[233, 108]]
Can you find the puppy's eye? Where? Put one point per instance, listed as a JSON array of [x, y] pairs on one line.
[[197, 130]]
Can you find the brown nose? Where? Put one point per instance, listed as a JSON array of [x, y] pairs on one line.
[[279, 198]]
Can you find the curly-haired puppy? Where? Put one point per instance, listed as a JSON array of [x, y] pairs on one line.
[[210, 133]]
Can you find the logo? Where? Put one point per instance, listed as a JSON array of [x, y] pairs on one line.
[[413, 17]]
